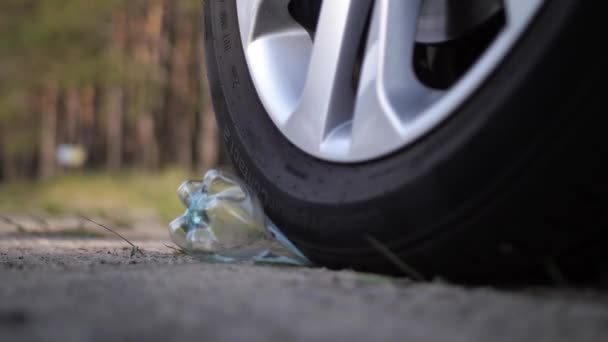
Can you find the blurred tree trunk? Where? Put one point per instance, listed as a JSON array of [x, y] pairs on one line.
[[72, 115], [114, 126], [147, 142], [87, 117], [8, 169], [115, 94], [147, 52], [48, 129], [208, 145], [182, 99]]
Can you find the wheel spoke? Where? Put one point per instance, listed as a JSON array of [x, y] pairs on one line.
[[263, 17], [519, 11], [276, 46], [327, 99], [390, 94]]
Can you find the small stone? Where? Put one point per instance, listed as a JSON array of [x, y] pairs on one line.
[[12, 318]]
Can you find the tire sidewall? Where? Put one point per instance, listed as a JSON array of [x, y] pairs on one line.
[[413, 193]]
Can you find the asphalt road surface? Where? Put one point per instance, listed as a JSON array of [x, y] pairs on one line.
[[90, 289]]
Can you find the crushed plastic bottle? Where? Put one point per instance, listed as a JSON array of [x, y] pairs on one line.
[[224, 220]]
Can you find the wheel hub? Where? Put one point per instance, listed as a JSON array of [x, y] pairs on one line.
[[342, 80]]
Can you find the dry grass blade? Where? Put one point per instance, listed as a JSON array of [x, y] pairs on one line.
[[393, 258], [177, 250], [40, 220], [134, 249], [8, 220]]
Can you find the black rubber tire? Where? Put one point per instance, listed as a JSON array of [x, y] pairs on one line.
[[512, 184]]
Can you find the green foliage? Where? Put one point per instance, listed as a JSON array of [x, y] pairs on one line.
[[61, 40], [40, 40]]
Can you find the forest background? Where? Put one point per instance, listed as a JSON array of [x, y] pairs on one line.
[[102, 98]]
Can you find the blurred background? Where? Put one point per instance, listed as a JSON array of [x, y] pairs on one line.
[[104, 109]]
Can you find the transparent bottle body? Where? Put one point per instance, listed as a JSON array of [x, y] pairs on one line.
[[225, 220]]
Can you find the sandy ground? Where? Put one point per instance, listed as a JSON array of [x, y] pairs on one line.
[[55, 288]]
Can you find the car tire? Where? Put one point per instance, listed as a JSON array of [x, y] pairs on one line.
[[512, 184]]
